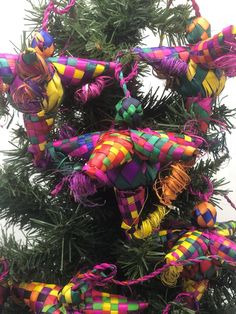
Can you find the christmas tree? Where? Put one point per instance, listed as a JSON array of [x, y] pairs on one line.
[[115, 185]]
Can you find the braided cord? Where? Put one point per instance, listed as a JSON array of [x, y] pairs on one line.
[[52, 8], [196, 8]]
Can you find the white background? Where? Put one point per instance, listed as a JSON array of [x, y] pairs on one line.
[[219, 13]]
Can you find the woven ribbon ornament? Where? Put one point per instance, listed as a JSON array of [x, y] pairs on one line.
[[78, 296], [128, 160], [192, 243], [198, 71]]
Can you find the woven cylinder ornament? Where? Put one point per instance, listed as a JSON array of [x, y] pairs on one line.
[[130, 204], [204, 215], [197, 29]]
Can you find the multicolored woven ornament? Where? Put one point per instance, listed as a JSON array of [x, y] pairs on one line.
[[129, 112], [212, 246], [35, 81], [78, 296], [43, 44], [204, 214], [199, 71], [128, 160], [197, 29], [35, 85]]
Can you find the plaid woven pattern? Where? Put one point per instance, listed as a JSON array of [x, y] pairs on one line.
[[79, 146], [205, 52], [157, 147], [204, 214], [96, 302], [75, 71], [126, 159], [181, 139], [37, 128], [198, 29], [113, 149], [129, 111], [157, 53], [191, 245], [77, 297], [133, 174], [130, 204], [194, 243], [170, 236], [196, 287], [37, 295], [226, 229], [223, 247]]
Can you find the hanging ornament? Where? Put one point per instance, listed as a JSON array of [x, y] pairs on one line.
[[127, 160], [129, 112], [35, 81], [204, 214], [197, 71], [197, 29], [213, 247]]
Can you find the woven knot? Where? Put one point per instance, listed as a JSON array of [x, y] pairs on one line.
[[101, 274]]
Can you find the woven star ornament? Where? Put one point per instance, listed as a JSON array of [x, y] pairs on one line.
[[116, 148], [206, 253], [127, 160], [213, 247], [198, 71]]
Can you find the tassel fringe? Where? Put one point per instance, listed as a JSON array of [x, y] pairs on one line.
[[151, 223]]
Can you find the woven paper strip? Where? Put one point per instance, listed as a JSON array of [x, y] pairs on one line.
[[130, 204]]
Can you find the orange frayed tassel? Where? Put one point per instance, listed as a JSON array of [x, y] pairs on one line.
[[169, 187]]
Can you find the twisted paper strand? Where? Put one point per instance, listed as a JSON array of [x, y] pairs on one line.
[[178, 298], [196, 8], [230, 202], [51, 8], [124, 80], [157, 272]]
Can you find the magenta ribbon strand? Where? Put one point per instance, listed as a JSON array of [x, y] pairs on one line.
[[52, 8]]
